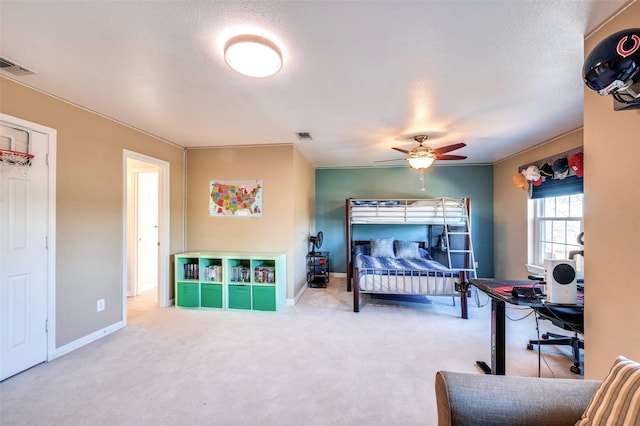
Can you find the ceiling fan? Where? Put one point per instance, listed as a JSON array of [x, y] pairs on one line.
[[422, 157]]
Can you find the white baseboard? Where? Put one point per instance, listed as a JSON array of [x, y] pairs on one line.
[[76, 344], [291, 302]]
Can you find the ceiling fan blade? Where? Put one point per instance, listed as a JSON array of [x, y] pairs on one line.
[[450, 157], [404, 151], [449, 148], [386, 161]]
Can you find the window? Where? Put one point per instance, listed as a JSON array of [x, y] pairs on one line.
[[556, 226]]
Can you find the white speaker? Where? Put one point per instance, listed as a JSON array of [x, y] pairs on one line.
[[561, 283]]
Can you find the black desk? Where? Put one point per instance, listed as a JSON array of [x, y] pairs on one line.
[[561, 315]]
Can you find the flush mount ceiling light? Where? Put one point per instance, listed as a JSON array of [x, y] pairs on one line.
[[253, 55]]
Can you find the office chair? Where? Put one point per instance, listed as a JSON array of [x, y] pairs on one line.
[[570, 318]]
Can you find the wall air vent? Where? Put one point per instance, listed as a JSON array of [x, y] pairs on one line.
[[304, 135], [13, 68]]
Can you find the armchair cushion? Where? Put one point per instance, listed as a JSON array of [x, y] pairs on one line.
[[618, 397], [478, 399]]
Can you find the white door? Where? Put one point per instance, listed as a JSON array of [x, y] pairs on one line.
[[23, 257], [147, 208]]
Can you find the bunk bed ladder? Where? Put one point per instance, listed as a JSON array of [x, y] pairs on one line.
[[457, 232]]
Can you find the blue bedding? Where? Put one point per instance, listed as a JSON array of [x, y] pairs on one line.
[[375, 203], [363, 261]]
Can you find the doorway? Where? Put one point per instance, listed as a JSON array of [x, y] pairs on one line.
[[146, 234]]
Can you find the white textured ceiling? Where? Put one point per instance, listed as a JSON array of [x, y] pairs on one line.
[[360, 76]]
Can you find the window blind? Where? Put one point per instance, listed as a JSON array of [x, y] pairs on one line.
[[570, 185]]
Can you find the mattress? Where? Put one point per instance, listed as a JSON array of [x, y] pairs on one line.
[[404, 276], [428, 211]]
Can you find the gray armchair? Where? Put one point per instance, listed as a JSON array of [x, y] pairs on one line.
[[478, 399]]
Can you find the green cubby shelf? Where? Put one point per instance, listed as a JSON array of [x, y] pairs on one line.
[[239, 281]]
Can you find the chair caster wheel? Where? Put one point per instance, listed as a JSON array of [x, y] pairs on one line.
[[575, 369], [530, 346]]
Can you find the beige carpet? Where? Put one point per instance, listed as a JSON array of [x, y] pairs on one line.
[[141, 304], [316, 363]]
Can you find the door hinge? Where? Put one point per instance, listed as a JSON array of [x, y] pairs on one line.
[[47, 159], [46, 326], [46, 243]]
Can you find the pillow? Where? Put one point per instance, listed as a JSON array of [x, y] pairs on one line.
[[424, 254], [362, 249], [382, 247], [617, 399], [406, 249]]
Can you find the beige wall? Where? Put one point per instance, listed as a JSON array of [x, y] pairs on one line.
[[510, 206], [304, 215], [288, 182], [89, 205], [612, 227]]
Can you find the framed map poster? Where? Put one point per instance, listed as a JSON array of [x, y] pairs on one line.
[[235, 198]]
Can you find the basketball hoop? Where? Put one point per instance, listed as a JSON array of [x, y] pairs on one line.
[[14, 160]]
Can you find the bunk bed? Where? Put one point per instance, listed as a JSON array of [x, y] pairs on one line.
[[392, 266]]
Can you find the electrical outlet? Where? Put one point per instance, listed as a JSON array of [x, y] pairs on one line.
[[100, 305], [475, 264]]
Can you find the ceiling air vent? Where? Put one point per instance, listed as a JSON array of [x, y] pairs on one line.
[[304, 135], [15, 69]]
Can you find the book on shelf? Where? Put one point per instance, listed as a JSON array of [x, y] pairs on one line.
[[213, 273], [265, 274], [191, 271], [240, 274]]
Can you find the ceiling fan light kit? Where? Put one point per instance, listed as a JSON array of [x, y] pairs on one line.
[[421, 162], [422, 157], [253, 55]]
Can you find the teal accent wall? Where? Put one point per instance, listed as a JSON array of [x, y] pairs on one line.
[[334, 186]]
